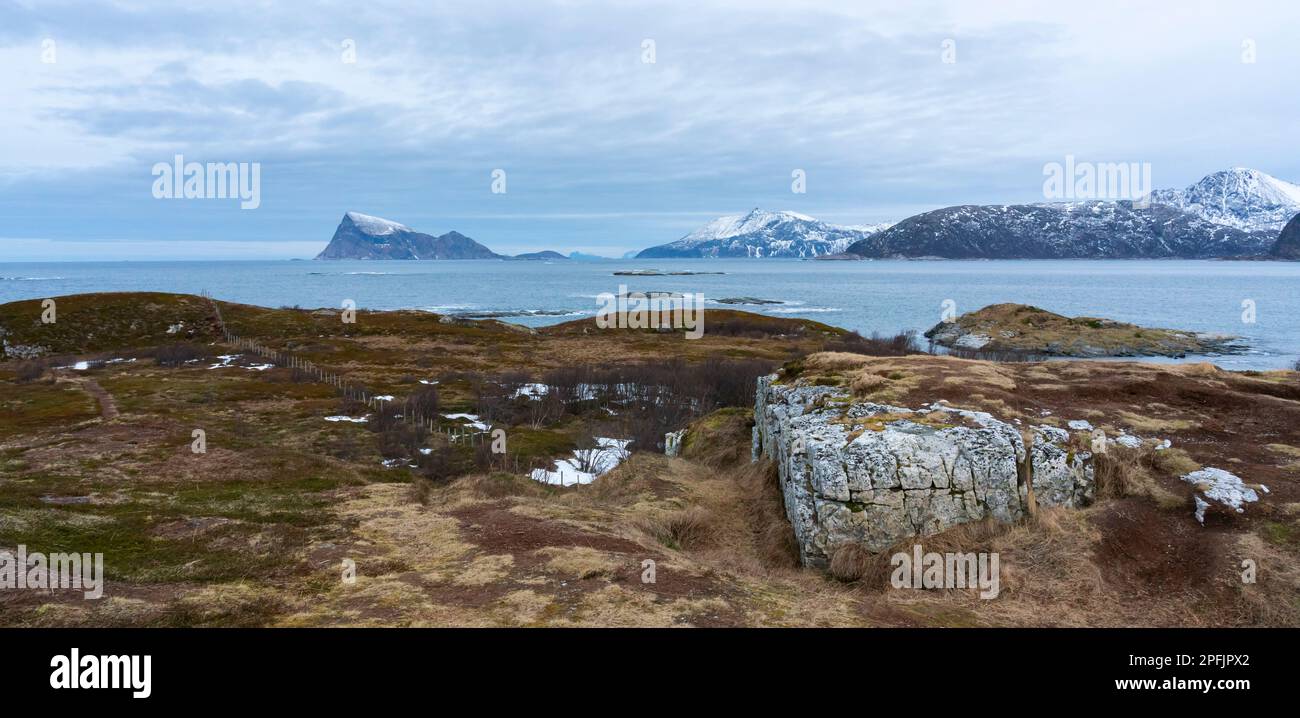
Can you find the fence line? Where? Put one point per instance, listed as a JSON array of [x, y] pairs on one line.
[[344, 387]]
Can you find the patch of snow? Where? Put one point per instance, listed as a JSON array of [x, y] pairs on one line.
[[1164, 445], [260, 367], [225, 360], [532, 391], [470, 420], [1080, 425], [353, 419], [430, 383], [586, 464], [376, 225]]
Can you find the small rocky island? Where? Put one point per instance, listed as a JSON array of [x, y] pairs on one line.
[[1028, 330]]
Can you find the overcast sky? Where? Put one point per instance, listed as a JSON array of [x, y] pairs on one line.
[[603, 151]]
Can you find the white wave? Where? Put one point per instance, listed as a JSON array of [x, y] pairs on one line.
[[804, 310]]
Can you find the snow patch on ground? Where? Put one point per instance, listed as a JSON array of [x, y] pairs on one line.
[[353, 419], [586, 464], [469, 420]]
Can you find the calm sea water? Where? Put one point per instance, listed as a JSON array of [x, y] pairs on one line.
[[875, 296]]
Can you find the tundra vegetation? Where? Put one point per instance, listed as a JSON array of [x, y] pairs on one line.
[[443, 531]]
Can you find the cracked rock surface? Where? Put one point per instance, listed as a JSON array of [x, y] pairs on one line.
[[853, 471]]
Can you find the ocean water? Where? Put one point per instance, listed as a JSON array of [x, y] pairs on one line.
[[873, 296]]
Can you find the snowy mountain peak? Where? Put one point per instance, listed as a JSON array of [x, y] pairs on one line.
[[756, 220], [763, 233], [1238, 197], [377, 226]]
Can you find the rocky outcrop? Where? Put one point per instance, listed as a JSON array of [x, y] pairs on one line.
[[673, 442], [1022, 329], [854, 471], [1223, 488]]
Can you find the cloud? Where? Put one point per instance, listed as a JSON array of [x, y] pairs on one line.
[[557, 94]]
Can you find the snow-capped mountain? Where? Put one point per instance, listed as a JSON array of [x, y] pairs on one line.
[[1081, 230], [361, 236], [1239, 197], [763, 234], [1287, 245], [1250, 209]]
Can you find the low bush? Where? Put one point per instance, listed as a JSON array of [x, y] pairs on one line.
[[179, 354]]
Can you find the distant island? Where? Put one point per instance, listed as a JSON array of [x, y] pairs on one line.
[[1018, 329], [362, 236]]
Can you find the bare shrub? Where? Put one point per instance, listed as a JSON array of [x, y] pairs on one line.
[[640, 401], [901, 344], [398, 439], [423, 402], [179, 354], [1003, 356], [29, 371], [439, 464]]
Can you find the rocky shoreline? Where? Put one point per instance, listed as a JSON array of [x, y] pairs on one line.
[[1030, 331]]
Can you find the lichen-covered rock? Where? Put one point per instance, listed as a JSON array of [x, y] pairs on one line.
[[874, 474], [673, 442], [1222, 487]]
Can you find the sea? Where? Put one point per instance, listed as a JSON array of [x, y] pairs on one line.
[[1258, 301]]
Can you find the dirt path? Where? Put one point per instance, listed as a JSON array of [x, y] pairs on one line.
[[107, 405]]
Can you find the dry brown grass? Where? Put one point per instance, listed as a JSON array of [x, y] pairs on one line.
[[579, 562], [689, 528], [1122, 472]]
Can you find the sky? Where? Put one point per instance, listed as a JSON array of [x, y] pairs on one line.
[[616, 126]]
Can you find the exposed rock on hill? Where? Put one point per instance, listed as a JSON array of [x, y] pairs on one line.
[[1022, 329], [859, 472]]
